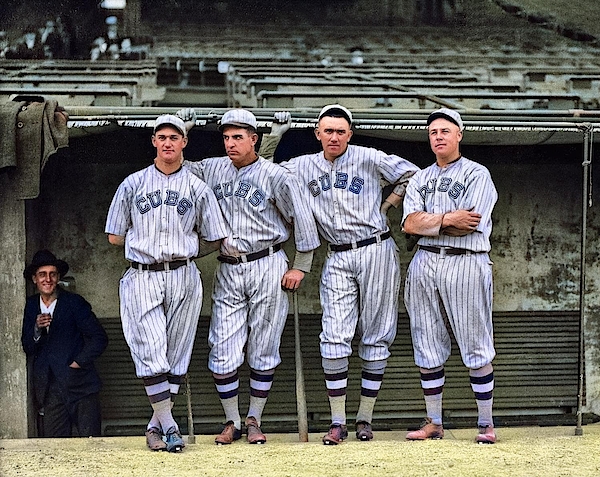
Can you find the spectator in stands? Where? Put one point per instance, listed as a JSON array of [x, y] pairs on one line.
[[4, 43], [62, 337], [28, 47]]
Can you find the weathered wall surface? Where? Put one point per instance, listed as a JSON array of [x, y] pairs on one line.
[[13, 372]]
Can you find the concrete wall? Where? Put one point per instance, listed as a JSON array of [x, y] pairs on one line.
[[13, 373]]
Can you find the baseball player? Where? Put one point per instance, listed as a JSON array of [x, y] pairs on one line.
[[159, 214], [449, 205], [262, 207], [360, 280]]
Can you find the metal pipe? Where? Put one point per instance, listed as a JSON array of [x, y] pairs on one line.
[[586, 199]]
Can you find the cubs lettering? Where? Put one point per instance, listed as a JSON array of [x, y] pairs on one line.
[[243, 191], [341, 182], [454, 189], [154, 199]]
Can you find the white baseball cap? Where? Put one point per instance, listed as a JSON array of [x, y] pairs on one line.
[[170, 120], [336, 111], [449, 114], [238, 117]]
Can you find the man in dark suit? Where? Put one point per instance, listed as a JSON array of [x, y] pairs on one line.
[[62, 337]]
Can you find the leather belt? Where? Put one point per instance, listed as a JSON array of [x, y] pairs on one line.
[[446, 250], [249, 257], [361, 243], [159, 267]]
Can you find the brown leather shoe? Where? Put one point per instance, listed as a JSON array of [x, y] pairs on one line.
[[254, 434], [337, 433], [154, 440], [229, 434], [364, 431], [428, 430]]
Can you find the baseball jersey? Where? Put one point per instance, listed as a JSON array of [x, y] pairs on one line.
[[260, 203], [161, 216], [345, 195], [463, 184]]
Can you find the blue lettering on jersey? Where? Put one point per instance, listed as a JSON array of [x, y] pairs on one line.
[[172, 197], [454, 189], [444, 184], [218, 191], [142, 206], [228, 189], [242, 190], [313, 187], [154, 199], [356, 185], [256, 198], [341, 180], [325, 181], [184, 205]]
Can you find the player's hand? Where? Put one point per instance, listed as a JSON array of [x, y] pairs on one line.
[[282, 121], [189, 117], [461, 221], [291, 280]]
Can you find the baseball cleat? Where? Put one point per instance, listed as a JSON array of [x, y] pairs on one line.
[[428, 430], [154, 440], [337, 433], [229, 434], [174, 441], [254, 434], [364, 431], [486, 435]]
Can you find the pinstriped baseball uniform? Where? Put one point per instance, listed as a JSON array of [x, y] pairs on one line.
[[359, 288], [456, 286], [162, 217], [260, 203]]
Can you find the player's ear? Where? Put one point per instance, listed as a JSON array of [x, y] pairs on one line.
[[317, 135], [185, 141], [460, 136], [350, 133]]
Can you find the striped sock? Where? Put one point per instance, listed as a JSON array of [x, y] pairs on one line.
[[336, 382], [260, 385], [482, 383], [228, 389], [159, 394], [432, 382], [372, 377]]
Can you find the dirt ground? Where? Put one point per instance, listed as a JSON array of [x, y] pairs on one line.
[[519, 452]]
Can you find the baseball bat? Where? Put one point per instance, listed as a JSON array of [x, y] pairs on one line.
[[300, 393], [188, 392]]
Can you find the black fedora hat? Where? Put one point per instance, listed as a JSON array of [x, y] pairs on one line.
[[43, 258]]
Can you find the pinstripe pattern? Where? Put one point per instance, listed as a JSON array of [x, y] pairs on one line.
[[160, 316], [462, 185], [262, 207], [359, 288], [359, 291], [455, 288], [249, 307], [345, 195], [162, 217]]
